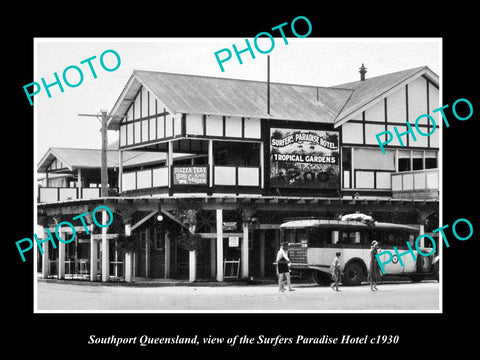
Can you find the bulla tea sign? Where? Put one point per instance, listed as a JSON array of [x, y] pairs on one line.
[[190, 175], [304, 158]]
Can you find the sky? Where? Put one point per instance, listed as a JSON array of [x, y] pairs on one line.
[[307, 61]]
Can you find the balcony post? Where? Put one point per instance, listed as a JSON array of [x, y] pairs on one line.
[[79, 184], [93, 256], [128, 269], [262, 165], [61, 257], [169, 165], [167, 254], [244, 251], [192, 265], [262, 253], [219, 244], [212, 258], [46, 255], [147, 252], [105, 250], [127, 261], [210, 163]]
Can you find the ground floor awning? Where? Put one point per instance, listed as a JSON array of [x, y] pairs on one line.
[[231, 202], [258, 218]]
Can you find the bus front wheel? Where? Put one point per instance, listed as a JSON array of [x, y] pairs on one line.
[[353, 274]]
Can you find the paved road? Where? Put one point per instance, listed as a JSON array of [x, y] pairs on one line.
[[390, 297]]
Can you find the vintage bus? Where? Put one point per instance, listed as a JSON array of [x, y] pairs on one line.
[[314, 242]]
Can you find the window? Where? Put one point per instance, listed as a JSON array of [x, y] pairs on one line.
[[347, 166], [221, 157], [159, 240], [431, 163], [404, 164], [369, 159], [289, 235], [394, 238], [365, 237], [417, 164], [416, 160], [320, 237], [431, 160], [350, 237]]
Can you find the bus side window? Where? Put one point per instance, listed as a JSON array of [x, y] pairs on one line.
[[289, 235], [335, 237], [377, 236], [365, 238], [350, 237], [357, 237], [400, 239], [390, 240], [411, 240], [314, 237], [319, 237]]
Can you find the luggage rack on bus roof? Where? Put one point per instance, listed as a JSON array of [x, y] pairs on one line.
[[356, 217], [299, 224], [299, 218], [347, 219], [318, 222]]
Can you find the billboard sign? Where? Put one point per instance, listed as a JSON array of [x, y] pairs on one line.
[[304, 158], [190, 175]]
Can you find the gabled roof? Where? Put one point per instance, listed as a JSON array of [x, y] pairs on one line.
[[181, 93], [368, 92], [189, 94], [92, 158]]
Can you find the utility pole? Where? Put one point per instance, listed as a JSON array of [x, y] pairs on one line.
[[104, 170]]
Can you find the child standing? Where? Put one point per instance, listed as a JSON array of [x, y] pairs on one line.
[[336, 271]]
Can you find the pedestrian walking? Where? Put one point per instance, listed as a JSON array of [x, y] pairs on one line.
[[336, 271], [375, 274], [282, 268]]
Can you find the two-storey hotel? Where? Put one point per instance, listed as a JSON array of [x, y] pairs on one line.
[[206, 169]]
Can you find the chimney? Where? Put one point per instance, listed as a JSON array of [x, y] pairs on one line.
[[363, 71]]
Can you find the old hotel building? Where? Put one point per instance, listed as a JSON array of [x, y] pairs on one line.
[[206, 169]]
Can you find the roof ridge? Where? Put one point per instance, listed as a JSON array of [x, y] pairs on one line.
[[236, 79], [74, 148], [418, 68]]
